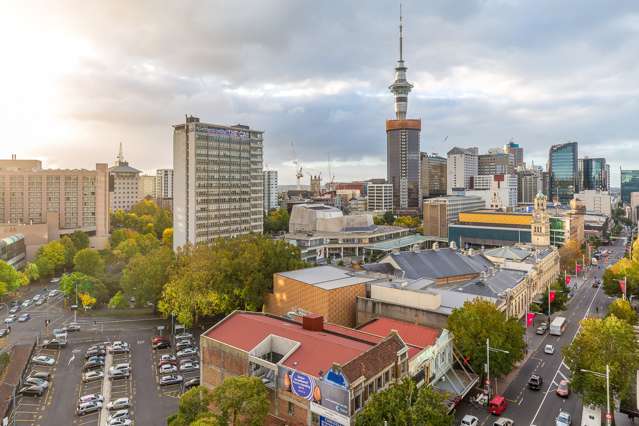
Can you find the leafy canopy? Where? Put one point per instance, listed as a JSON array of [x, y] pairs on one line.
[[193, 406], [623, 310], [241, 400], [88, 261], [145, 275]]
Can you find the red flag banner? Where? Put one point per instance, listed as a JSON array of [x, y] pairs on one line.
[[529, 320], [622, 285], [567, 279], [551, 296], [577, 268]]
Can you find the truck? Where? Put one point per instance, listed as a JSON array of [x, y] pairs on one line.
[[557, 326]]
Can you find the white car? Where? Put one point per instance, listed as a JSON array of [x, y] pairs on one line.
[[167, 357], [563, 419], [168, 368], [120, 414], [91, 376], [26, 303], [189, 366], [120, 422], [186, 352], [37, 382], [43, 360], [469, 420], [90, 397], [119, 404], [549, 349], [10, 319]]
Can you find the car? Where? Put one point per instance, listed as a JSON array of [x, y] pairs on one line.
[[10, 319], [119, 414], [4, 332], [183, 345], [52, 344], [195, 381], [549, 349], [24, 317], [563, 389], [118, 349], [27, 303], [563, 419], [183, 336], [14, 310], [119, 404], [72, 326], [92, 376], [167, 357], [503, 421], [34, 381], [53, 293], [31, 390], [189, 366], [41, 375], [124, 366], [469, 420], [186, 352], [54, 280], [162, 344], [40, 302], [93, 364], [115, 374], [541, 330], [167, 362], [90, 398], [171, 379], [535, 382], [168, 368], [94, 352], [157, 339], [119, 343], [96, 347], [120, 422], [88, 407], [43, 360]]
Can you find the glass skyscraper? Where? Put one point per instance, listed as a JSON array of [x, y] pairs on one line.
[[563, 171], [629, 184], [593, 174]]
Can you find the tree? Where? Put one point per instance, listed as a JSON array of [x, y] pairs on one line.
[[145, 276], [600, 342], [241, 400], [69, 251], [194, 404], [167, 237], [561, 297], [623, 269], [276, 221], [478, 320], [623, 310], [83, 284], [87, 300], [407, 222], [226, 275], [32, 272], [117, 301], [403, 404], [54, 253], [9, 277], [127, 249], [569, 254], [162, 220], [88, 261], [80, 240]]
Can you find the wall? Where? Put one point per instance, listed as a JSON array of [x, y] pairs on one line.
[[368, 309], [436, 220], [416, 299], [219, 361]]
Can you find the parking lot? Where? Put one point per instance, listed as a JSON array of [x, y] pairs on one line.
[[173, 390]]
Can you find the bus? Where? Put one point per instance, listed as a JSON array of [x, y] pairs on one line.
[[558, 326]]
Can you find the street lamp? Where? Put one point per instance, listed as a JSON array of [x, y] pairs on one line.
[[490, 349], [607, 377]]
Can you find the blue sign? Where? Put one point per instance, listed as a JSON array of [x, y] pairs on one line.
[[336, 377], [302, 385], [328, 422]]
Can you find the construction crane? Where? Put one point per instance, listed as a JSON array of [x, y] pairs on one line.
[[298, 167]]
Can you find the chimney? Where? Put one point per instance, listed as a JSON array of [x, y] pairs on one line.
[[313, 322]]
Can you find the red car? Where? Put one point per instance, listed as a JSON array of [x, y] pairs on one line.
[[161, 363], [497, 405]]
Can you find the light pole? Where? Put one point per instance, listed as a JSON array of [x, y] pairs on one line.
[[488, 350], [75, 311], [607, 377]]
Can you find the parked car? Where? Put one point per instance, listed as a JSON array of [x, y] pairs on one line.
[[167, 357], [124, 366], [92, 376], [10, 319], [167, 362], [92, 365], [535, 382], [73, 326], [503, 421], [27, 303], [119, 404], [549, 349], [94, 352], [96, 358], [119, 414], [88, 407], [119, 349], [563, 389], [469, 420], [53, 344], [563, 419], [195, 381], [541, 329], [24, 317], [189, 366], [120, 422], [186, 352], [31, 390], [183, 345], [168, 368], [43, 360], [40, 302], [115, 374], [183, 336], [172, 379], [41, 375], [90, 398], [34, 381], [162, 344], [14, 310], [157, 339], [4, 332]]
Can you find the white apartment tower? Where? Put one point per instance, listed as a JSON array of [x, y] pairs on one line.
[[164, 183], [270, 190], [218, 188], [461, 166], [380, 197], [124, 185]]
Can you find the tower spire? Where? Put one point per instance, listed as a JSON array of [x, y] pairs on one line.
[[401, 35], [120, 157], [400, 87]]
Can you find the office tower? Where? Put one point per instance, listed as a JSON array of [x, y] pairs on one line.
[[629, 184], [164, 183], [124, 184], [402, 143], [270, 190], [433, 175], [495, 163], [563, 171], [530, 182], [380, 197], [66, 200], [497, 191], [218, 189], [517, 153], [147, 186], [462, 164], [608, 177], [593, 174]]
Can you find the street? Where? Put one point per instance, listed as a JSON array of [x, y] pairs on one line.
[[540, 407]]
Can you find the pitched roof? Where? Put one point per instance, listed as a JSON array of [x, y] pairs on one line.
[[508, 252], [374, 360], [412, 334], [439, 263]]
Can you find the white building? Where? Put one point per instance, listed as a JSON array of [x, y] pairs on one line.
[[497, 191], [125, 183], [218, 188], [596, 201], [270, 190], [147, 186], [462, 164], [164, 183], [380, 197]]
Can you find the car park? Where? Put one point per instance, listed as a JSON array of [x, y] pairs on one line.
[[186, 352], [190, 383], [88, 407], [119, 404], [24, 317], [92, 376], [563, 419], [4, 332], [31, 390], [535, 382], [10, 319], [168, 368], [549, 349], [43, 360], [90, 398], [34, 381], [172, 379], [563, 389], [189, 366]]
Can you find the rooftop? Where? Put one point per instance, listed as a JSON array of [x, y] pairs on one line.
[[508, 252], [388, 245], [326, 277], [439, 263], [413, 334]]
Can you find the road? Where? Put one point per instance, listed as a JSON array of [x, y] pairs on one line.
[[528, 407]]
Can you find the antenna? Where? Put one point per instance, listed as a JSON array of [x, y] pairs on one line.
[[401, 35]]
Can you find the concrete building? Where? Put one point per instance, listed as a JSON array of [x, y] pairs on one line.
[[564, 172], [380, 197], [530, 182], [495, 163], [629, 184], [596, 201], [164, 184], [517, 153], [441, 211], [433, 175], [147, 186], [124, 184], [43, 204], [270, 190], [497, 191], [218, 188], [462, 165]]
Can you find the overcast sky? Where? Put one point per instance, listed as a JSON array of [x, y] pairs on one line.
[[79, 77]]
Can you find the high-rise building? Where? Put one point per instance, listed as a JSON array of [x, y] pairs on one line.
[[462, 165], [439, 212], [563, 171], [517, 153], [599, 202], [402, 143], [380, 197], [530, 182], [124, 184], [164, 184], [629, 184], [270, 190], [218, 189], [593, 174], [497, 191], [147, 186], [433, 175], [495, 163]]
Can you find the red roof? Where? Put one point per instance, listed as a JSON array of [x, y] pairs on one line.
[[318, 350], [413, 334]]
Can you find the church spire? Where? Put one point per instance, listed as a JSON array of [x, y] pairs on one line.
[[400, 87]]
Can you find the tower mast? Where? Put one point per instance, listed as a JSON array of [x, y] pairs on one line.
[[401, 87]]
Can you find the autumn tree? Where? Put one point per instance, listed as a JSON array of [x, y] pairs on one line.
[[276, 221], [623, 310], [569, 254], [167, 237], [241, 400], [88, 261], [87, 300], [83, 283], [50, 258], [80, 240], [145, 275], [479, 320], [624, 269], [407, 222]]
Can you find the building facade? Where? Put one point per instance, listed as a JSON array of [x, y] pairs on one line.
[[433, 175], [270, 190], [497, 191], [517, 153], [441, 211], [164, 184], [380, 197], [147, 186], [530, 182], [593, 174], [629, 184], [124, 184], [540, 226], [461, 165], [564, 172], [599, 202], [495, 163], [218, 188]]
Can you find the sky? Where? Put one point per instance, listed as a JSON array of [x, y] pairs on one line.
[[78, 78]]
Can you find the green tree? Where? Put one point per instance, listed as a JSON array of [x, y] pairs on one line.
[[127, 249], [194, 404], [276, 221], [147, 243], [80, 240], [88, 261], [167, 237], [54, 253], [561, 298], [479, 320], [82, 283], [407, 222], [120, 235], [146, 207], [32, 272], [600, 342], [9, 277], [162, 220], [623, 269], [623, 310], [69, 251], [241, 400], [145, 276], [403, 404], [226, 275], [117, 301]]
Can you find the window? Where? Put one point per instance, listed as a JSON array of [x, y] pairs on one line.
[[379, 382], [386, 377]]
